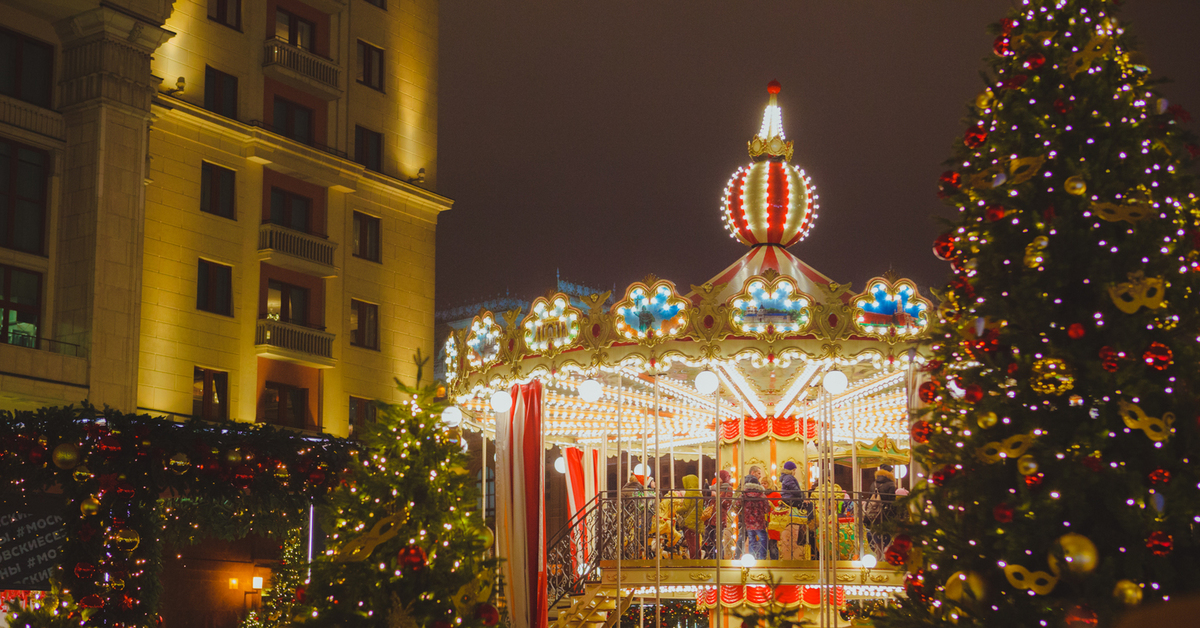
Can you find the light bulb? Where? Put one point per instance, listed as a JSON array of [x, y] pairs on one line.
[[868, 561], [835, 382], [901, 472], [560, 464], [589, 390], [452, 416], [707, 382], [501, 401], [748, 561], [640, 469]]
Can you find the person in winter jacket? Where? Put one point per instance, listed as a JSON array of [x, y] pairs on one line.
[[885, 483], [724, 490], [687, 514], [636, 518], [754, 515], [793, 495]]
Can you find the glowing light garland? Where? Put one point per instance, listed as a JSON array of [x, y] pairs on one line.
[[551, 324], [484, 342]]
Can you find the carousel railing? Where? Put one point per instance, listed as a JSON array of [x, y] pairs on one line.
[[672, 525]]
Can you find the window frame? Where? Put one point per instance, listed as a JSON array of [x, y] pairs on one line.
[[216, 83], [203, 299], [371, 66], [210, 190], [364, 406], [360, 335], [7, 304], [8, 231], [222, 12], [379, 4], [298, 422], [284, 128], [360, 225], [285, 304], [362, 148], [212, 378], [22, 41], [294, 22], [287, 197]]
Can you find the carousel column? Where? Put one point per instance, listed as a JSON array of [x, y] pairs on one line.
[[716, 612], [657, 528], [620, 531]]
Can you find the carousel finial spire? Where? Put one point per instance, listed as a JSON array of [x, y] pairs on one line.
[[770, 141]]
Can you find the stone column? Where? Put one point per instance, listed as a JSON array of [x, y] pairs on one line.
[[106, 87]]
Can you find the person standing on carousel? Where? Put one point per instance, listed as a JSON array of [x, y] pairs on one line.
[[717, 509], [754, 517], [635, 513], [687, 513]]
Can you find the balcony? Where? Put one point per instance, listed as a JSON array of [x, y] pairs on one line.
[[31, 117], [302, 69], [293, 343], [296, 250]]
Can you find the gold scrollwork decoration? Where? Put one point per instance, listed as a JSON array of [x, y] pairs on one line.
[[700, 576]]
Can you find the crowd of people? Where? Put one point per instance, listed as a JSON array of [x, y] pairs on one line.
[[771, 520]]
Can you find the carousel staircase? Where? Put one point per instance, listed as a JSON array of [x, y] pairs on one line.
[[597, 607]]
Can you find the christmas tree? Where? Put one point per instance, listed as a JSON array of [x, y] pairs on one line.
[[279, 598], [1060, 429], [406, 545]]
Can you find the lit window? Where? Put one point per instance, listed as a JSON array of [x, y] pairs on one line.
[[364, 324], [294, 30], [20, 306], [287, 303], [227, 12], [285, 405], [209, 394]]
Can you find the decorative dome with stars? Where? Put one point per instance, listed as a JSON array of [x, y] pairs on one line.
[[770, 201]]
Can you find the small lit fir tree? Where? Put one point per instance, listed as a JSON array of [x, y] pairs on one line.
[[406, 543], [1060, 431], [279, 597]]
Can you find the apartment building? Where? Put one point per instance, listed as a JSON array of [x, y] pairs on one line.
[[217, 208]]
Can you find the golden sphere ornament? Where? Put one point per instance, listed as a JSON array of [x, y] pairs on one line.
[[89, 506], [1075, 186], [179, 463], [1079, 553], [125, 539], [1035, 254], [82, 474], [1051, 376], [1128, 592], [966, 586], [65, 456], [1027, 465], [233, 457], [987, 419], [985, 100]]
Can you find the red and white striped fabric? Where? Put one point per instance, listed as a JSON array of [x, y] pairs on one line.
[[521, 506], [583, 482], [769, 257]]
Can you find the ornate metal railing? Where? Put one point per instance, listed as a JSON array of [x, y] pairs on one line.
[[673, 526], [303, 245]]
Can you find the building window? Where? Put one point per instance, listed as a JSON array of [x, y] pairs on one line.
[[216, 190], [214, 288], [368, 148], [285, 405], [20, 306], [291, 210], [366, 237], [220, 92], [378, 3], [23, 175], [362, 414], [287, 303], [26, 68], [227, 12], [294, 30], [292, 120], [209, 394], [370, 65], [364, 324], [491, 492]]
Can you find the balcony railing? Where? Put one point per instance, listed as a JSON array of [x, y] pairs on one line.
[[44, 344], [31, 117], [283, 132], [295, 339], [324, 72], [296, 243]]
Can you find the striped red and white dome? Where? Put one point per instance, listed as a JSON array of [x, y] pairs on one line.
[[770, 201]]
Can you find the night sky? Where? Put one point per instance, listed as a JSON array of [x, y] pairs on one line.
[[595, 138]]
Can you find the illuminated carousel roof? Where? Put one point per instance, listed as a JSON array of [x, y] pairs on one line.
[[768, 326]]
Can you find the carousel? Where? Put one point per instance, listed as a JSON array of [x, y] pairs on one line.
[[776, 388]]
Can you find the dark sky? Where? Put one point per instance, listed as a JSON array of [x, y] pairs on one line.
[[594, 137]]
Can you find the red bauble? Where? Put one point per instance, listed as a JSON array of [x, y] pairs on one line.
[[930, 391], [108, 446], [1034, 61], [1003, 513], [1015, 82], [1108, 359], [1080, 615], [301, 594], [1002, 46], [1035, 480], [243, 475], [1158, 356], [1008, 25], [411, 557], [124, 491], [1159, 476], [92, 601], [994, 213], [973, 393], [949, 182], [914, 586], [941, 476], [963, 287], [85, 571], [37, 454], [975, 136], [944, 247], [1012, 368], [1076, 331], [487, 613], [1160, 543], [316, 477], [897, 552], [921, 431]]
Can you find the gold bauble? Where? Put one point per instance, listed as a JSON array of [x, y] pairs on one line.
[[125, 539], [1075, 185], [233, 457], [1027, 465], [1051, 376], [1128, 592], [281, 472], [987, 419], [89, 506], [1078, 551], [179, 463], [966, 586], [1034, 256], [82, 474], [65, 456], [985, 99], [488, 537]]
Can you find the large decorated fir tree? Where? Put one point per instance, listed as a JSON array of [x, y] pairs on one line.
[[406, 542], [1060, 432]]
